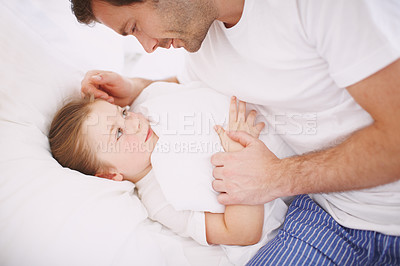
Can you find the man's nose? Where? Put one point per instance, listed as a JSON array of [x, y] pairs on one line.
[[149, 44]]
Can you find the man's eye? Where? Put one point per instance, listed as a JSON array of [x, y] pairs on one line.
[[119, 133]]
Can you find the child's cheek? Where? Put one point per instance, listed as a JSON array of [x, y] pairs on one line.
[[133, 141]]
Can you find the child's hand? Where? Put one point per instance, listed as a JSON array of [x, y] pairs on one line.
[[239, 122]]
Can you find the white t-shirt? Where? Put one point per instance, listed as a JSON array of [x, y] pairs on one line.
[[295, 59]]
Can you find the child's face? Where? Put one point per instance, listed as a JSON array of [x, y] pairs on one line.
[[120, 138]]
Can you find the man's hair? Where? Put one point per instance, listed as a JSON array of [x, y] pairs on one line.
[[67, 139], [83, 11]]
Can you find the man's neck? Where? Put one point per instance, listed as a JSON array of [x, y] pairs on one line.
[[230, 11]]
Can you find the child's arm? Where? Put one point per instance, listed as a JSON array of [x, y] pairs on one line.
[[240, 224]]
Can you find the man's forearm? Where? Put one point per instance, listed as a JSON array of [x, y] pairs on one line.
[[368, 158], [146, 82], [172, 79]]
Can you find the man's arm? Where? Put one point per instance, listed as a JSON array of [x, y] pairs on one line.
[[368, 158], [115, 88], [171, 79]]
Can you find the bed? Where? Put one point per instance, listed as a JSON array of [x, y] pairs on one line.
[[51, 215]]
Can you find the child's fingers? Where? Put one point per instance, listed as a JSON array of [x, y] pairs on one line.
[[242, 111], [222, 136], [251, 118], [220, 130], [260, 126], [232, 112]]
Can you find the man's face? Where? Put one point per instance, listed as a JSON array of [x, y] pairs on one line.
[[163, 23]]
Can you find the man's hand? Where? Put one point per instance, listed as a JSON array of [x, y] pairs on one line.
[[242, 173], [245, 177], [112, 87]]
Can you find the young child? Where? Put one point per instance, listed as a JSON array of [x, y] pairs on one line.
[[105, 140]]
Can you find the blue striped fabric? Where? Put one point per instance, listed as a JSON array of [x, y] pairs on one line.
[[310, 236]]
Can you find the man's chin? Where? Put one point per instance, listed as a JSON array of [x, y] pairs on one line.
[[191, 45], [192, 48]]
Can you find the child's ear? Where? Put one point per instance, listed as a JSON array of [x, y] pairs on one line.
[[112, 176]]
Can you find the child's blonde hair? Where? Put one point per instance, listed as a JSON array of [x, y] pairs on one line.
[[67, 141]]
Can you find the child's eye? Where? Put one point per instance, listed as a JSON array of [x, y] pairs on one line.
[[119, 133]]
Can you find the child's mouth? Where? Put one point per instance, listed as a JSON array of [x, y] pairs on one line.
[[149, 133]]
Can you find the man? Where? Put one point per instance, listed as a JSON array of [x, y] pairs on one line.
[[327, 74]]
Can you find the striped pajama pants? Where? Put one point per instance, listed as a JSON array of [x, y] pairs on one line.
[[310, 236]]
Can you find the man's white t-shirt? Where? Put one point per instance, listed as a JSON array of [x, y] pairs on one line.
[[295, 59]]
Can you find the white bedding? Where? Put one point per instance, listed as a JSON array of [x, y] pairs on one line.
[[50, 215]]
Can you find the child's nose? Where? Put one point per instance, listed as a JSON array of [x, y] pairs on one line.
[[132, 123]]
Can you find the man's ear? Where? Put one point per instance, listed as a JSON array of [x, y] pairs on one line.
[[112, 176]]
